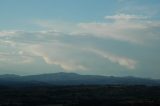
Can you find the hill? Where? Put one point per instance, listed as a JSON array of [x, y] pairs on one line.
[[72, 79]]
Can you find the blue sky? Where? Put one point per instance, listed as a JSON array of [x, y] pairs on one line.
[[104, 37]]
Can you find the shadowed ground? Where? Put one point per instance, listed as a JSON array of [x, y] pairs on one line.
[[80, 95]]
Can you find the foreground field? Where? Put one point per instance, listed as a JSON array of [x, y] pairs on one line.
[[80, 95]]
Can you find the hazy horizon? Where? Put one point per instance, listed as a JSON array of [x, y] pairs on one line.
[[94, 37]]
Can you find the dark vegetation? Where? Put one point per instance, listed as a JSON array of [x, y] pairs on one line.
[[81, 95]]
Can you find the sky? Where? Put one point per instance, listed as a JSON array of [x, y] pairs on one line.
[[98, 37]]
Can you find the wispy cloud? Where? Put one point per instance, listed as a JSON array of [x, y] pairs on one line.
[[125, 17], [58, 54], [135, 29], [60, 45], [7, 33], [54, 51], [123, 61], [11, 58]]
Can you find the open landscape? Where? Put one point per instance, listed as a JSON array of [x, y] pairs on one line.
[[79, 52]]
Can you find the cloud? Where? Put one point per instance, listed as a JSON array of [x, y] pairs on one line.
[[71, 58], [7, 33], [116, 31], [123, 61], [126, 28], [130, 28], [71, 48], [50, 46], [58, 54], [10, 58], [125, 17]]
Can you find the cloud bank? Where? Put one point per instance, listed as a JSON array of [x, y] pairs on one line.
[[68, 48]]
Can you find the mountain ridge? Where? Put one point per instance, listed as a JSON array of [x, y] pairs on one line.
[[63, 78]]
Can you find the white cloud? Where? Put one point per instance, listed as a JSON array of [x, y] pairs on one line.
[[125, 17], [7, 33], [114, 31], [10, 58], [123, 61], [58, 54], [71, 58], [122, 28], [135, 29], [50, 45], [62, 48]]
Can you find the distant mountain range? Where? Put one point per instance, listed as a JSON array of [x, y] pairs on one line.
[[71, 79]]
